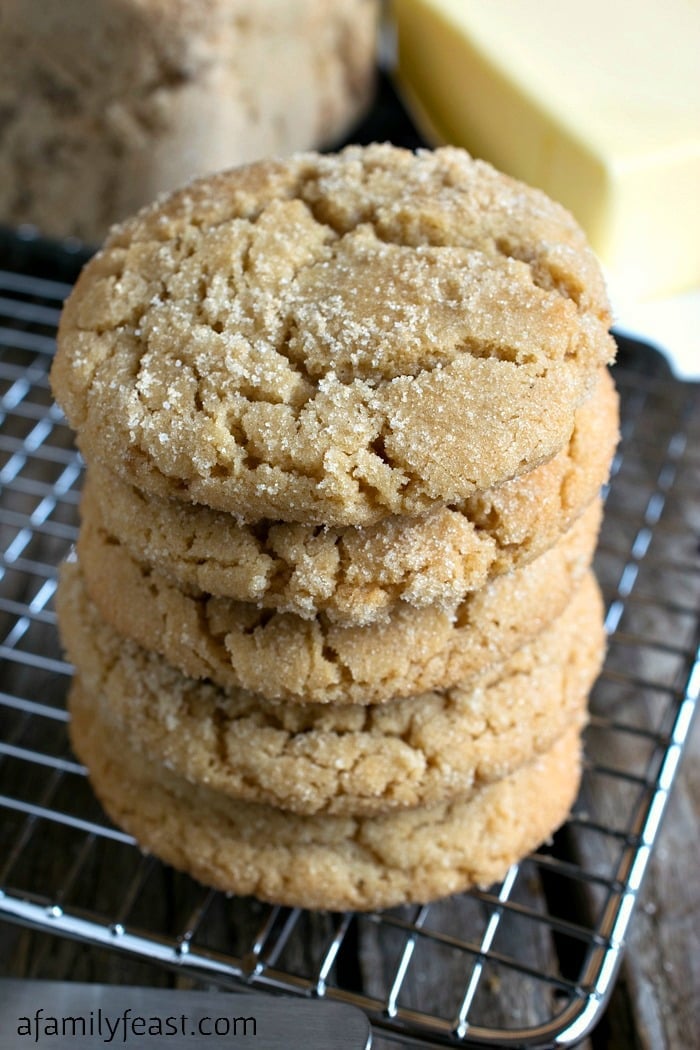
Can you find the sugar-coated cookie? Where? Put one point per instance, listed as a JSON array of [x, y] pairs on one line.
[[339, 759], [357, 575], [334, 339], [282, 656], [325, 861]]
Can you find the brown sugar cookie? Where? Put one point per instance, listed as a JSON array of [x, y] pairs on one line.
[[334, 339], [339, 759], [357, 575], [282, 656], [325, 861]]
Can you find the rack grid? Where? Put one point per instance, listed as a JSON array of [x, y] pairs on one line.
[[532, 961]]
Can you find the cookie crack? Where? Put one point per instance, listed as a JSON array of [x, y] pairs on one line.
[[546, 275]]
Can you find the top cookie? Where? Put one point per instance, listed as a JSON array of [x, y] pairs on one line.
[[333, 339]]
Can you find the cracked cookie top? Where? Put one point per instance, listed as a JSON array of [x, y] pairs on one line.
[[359, 575], [339, 758], [283, 657], [333, 339]]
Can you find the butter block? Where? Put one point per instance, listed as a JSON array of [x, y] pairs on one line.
[[599, 105]]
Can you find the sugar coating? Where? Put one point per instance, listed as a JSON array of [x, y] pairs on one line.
[[333, 862], [357, 575], [284, 657], [334, 339], [339, 759]]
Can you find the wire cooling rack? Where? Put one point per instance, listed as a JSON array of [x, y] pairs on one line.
[[528, 963]]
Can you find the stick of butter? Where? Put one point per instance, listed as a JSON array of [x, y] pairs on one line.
[[598, 104]]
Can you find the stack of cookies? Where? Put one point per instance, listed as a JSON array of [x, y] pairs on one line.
[[346, 419]]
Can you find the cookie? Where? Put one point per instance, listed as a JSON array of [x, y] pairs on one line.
[[328, 862], [334, 339], [282, 656], [339, 759], [356, 576]]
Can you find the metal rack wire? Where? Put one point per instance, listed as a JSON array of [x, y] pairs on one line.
[[550, 936]]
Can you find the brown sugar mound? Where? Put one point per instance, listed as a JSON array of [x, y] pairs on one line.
[[107, 103]]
